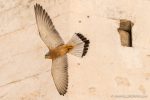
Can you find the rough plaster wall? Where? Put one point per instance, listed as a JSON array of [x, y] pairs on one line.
[[109, 70]]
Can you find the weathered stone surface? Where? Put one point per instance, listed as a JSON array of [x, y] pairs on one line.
[[108, 71]]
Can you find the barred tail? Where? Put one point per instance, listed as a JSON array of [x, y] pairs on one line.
[[80, 45]]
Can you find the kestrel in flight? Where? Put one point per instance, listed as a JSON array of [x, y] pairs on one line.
[[78, 46]]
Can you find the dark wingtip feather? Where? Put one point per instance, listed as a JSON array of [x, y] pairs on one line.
[[37, 6], [63, 93], [39, 11], [86, 43]]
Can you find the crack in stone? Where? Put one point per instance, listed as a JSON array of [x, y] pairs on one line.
[[27, 26], [17, 30], [25, 78], [20, 53], [3, 96], [14, 7], [6, 10]]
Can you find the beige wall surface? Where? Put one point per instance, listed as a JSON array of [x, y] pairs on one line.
[[108, 72]]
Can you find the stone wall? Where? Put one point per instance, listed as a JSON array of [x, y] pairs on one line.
[[108, 72]]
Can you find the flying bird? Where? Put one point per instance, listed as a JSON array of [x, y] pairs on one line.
[[78, 46]]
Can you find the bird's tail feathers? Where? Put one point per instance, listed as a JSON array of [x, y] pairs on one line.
[[80, 45]]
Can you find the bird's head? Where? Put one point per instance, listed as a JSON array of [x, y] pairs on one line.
[[47, 55]]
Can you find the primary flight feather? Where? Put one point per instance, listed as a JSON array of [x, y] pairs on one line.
[[78, 46]]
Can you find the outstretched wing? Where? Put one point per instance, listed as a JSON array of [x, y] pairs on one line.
[[47, 31], [60, 74]]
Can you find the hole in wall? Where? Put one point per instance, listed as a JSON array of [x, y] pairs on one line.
[[80, 21], [88, 16], [125, 32]]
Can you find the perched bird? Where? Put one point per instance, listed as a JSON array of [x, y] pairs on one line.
[[78, 46]]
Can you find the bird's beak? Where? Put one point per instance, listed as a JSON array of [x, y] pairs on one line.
[[46, 56]]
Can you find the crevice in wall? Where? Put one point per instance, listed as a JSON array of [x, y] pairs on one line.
[[125, 31]]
